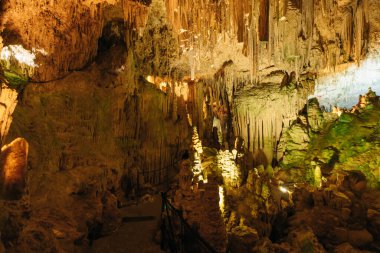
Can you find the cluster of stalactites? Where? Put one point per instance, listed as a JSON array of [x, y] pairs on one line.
[[297, 36], [259, 121]]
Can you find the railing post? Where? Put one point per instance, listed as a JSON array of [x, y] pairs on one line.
[[163, 203]]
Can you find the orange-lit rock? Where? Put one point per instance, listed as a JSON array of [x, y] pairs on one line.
[[67, 30], [8, 102], [13, 160]]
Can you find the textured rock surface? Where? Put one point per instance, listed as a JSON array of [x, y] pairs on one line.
[[200, 206], [327, 141], [304, 240], [8, 102], [346, 247], [94, 136], [13, 164], [261, 114], [294, 144], [256, 114], [336, 215], [374, 34], [68, 31], [371, 198], [292, 35]]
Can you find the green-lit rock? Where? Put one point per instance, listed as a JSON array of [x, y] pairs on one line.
[[314, 115], [296, 142], [14, 80]]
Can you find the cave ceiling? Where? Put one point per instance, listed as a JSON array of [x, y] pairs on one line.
[[294, 36]]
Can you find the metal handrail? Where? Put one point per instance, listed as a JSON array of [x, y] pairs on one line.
[[168, 210]]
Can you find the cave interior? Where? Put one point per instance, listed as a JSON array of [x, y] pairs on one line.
[[190, 126]]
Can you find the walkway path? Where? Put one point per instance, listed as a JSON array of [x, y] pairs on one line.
[[137, 233]]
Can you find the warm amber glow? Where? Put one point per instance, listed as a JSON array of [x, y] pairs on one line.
[[150, 79], [197, 169], [181, 89], [221, 199], [283, 189], [8, 97], [318, 176], [196, 141], [14, 158], [230, 171]]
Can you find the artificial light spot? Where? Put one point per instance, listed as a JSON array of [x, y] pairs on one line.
[[22, 55]]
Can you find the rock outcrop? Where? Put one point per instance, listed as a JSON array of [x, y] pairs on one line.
[[336, 214], [13, 164], [67, 31], [8, 103], [199, 203]]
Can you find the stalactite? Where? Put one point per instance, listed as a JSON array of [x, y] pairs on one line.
[[259, 119], [359, 25], [254, 40], [299, 32]]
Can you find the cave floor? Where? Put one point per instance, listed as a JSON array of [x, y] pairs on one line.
[[137, 232]]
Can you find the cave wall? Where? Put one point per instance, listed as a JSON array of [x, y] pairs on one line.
[[374, 19], [112, 114], [89, 133], [68, 31], [251, 117]]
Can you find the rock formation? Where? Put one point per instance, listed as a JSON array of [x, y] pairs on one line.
[[8, 104], [13, 159]]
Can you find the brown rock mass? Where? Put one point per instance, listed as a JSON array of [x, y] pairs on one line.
[[13, 164]]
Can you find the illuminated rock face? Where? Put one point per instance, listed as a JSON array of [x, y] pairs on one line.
[[8, 102], [255, 114], [199, 203], [91, 126], [296, 36], [68, 31], [290, 35], [13, 160], [374, 29], [262, 113]]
